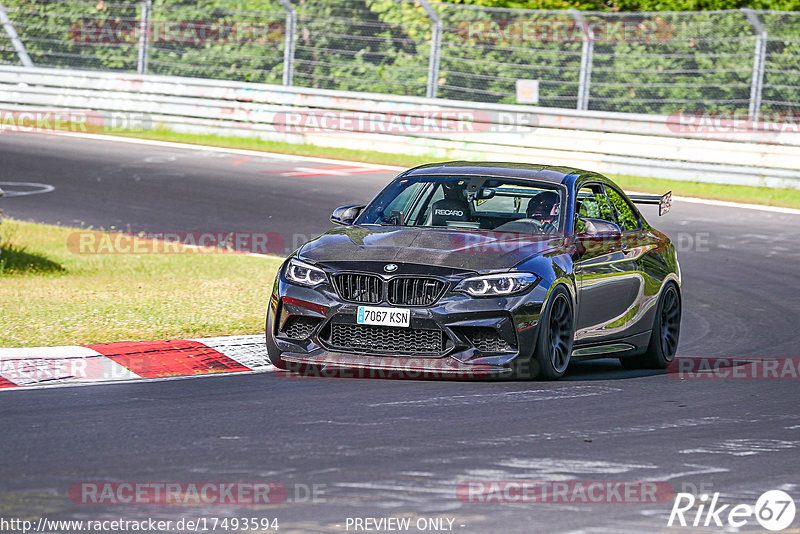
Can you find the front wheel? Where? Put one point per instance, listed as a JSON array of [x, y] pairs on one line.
[[303, 369], [664, 337], [554, 343]]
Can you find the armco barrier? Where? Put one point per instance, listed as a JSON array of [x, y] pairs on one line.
[[616, 143]]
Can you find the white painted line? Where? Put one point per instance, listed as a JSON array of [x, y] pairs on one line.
[[238, 253], [727, 204], [302, 171], [274, 155], [37, 189], [240, 151]]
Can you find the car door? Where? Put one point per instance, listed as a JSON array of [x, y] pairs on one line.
[[607, 279], [636, 243]]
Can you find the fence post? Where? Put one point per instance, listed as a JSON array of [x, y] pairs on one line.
[[759, 58], [288, 47], [15, 40], [587, 51], [144, 36], [436, 49]]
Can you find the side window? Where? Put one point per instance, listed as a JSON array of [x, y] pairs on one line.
[[628, 220], [594, 204], [438, 194], [404, 202], [604, 205]]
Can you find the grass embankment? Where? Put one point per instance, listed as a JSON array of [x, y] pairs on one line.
[[789, 198], [52, 296]]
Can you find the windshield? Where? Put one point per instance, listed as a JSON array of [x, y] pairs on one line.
[[468, 202]]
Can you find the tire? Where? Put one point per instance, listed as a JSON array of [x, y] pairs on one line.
[[274, 356], [303, 369], [554, 342], [664, 335], [278, 362]]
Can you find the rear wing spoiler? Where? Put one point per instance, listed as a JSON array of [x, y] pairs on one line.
[[664, 202]]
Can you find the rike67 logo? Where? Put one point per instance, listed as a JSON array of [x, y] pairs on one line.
[[774, 510]]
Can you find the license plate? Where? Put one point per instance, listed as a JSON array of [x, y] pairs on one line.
[[383, 316]]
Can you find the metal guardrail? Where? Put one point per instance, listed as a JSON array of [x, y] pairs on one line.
[[616, 143]]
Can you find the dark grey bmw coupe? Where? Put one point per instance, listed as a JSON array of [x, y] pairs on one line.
[[466, 269]]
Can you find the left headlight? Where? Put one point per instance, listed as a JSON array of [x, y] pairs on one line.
[[304, 274], [497, 285]]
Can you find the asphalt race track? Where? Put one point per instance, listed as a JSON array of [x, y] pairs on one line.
[[400, 448]]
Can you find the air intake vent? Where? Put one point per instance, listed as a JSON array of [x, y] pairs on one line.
[[386, 339], [299, 326], [415, 291], [485, 339], [355, 287]]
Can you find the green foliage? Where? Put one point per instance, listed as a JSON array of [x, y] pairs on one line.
[[625, 215], [676, 62], [638, 5]]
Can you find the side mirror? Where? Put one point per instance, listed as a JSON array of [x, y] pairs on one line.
[[587, 227], [345, 215]]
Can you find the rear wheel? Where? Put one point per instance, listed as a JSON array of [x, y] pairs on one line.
[[554, 342], [664, 337]]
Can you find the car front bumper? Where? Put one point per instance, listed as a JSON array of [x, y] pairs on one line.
[[479, 336]]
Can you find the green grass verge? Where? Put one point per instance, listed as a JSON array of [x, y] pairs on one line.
[[51, 296], [789, 198], [247, 143]]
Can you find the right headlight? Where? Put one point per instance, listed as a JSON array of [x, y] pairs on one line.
[[304, 274], [497, 285]]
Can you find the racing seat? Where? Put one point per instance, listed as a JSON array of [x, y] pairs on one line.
[[449, 209]]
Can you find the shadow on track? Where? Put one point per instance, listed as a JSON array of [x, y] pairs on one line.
[[592, 370], [605, 369]]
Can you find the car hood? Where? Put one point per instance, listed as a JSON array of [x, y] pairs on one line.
[[471, 250]]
